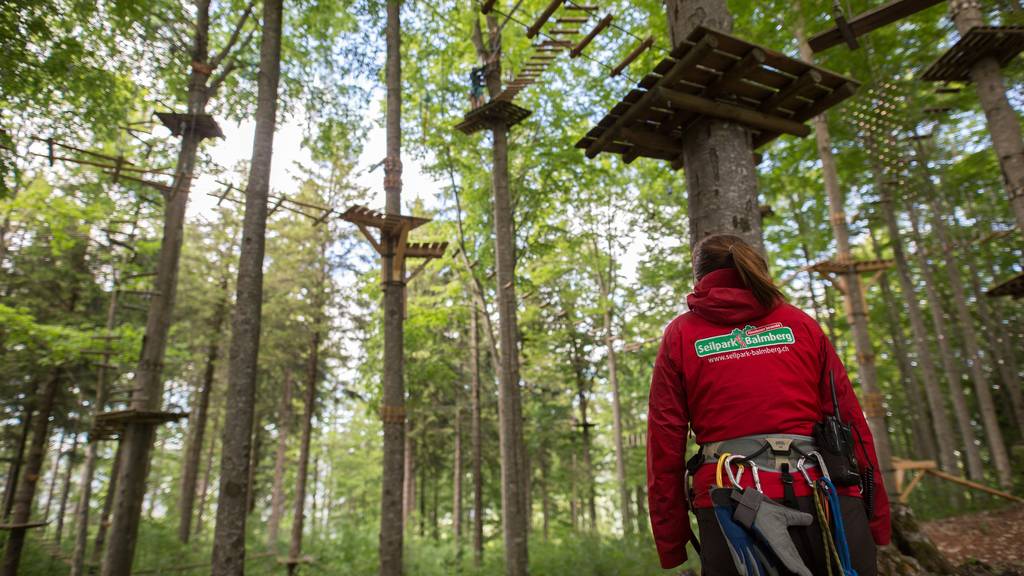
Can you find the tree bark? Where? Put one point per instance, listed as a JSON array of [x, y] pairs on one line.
[[204, 490], [457, 486], [99, 545], [254, 461], [545, 492], [476, 438], [936, 403], [54, 475], [14, 472], [721, 178], [277, 497], [229, 532], [1003, 121], [512, 448], [585, 425], [409, 480], [26, 492], [642, 525], [393, 396], [871, 396], [613, 381], [975, 469], [309, 407], [137, 439], [65, 491], [197, 421]]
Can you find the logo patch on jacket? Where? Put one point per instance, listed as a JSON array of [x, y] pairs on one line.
[[745, 339]]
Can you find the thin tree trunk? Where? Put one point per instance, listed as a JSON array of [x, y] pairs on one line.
[[574, 512], [933, 393], [26, 492], [1003, 121], [277, 497], [457, 486], [197, 421], [99, 545], [137, 439], [512, 448], [91, 451], [613, 381], [204, 490], [309, 407], [975, 359], [545, 491], [66, 489], [229, 532], [14, 472], [942, 327], [409, 471], [923, 440], [721, 178], [54, 475], [871, 400], [254, 462], [642, 525], [393, 396], [476, 438]]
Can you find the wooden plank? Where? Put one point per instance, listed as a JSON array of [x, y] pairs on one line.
[[871, 20], [693, 56], [819, 106], [640, 49], [725, 111], [905, 494], [578, 48], [974, 485], [783, 96], [652, 140], [534, 29]]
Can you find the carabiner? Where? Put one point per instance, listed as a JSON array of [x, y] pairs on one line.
[[718, 469], [801, 465], [757, 478], [821, 463], [728, 469]]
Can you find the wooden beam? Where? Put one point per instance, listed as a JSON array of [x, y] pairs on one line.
[[781, 97], [544, 16], [578, 48], [872, 19], [724, 111], [691, 57], [974, 485], [650, 139], [647, 43]]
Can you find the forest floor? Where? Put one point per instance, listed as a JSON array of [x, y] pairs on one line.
[[995, 537]]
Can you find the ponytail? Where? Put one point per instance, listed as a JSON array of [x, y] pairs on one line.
[[727, 251]]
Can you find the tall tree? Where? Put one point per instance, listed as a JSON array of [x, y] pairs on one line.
[[277, 496], [137, 440], [302, 474], [232, 502]]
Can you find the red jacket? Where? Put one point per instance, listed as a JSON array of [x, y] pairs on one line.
[[729, 368]]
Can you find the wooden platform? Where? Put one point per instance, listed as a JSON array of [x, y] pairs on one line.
[[872, 19], [1013, 287], [715, 75], [387, 223], [110, 424], [204, 124], [1003, 43], [858, 266], [495, 111]]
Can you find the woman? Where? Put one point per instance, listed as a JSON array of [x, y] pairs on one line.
[[744, 364]]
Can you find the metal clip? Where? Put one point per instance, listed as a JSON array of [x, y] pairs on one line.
[[801, 465], [821, 463], [735, 479]]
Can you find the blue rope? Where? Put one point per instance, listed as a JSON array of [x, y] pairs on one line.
[[838, 531]]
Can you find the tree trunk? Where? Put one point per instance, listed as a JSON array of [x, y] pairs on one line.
[[54, 475], [545, 493], [66, 489], [204, 490], [620, 453], [309, 407], [137, 439], [510, 416], [942, 328], [284, 424], [975, 359], [14, 472], [476, 438], [26, 492], [91, 452], [642, 526], [393, 396], [936, 403], [574, 512], [108, 508], [923, 440], [871, 397], [409, 479], [254, 462], [457, 486], [721, 178], [1003, 122], [588, 465], [197, 422], [229, 532]]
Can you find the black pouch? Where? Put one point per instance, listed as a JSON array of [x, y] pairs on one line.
[[836, 445]]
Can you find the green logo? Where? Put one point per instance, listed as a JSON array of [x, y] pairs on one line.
[[746, 339]]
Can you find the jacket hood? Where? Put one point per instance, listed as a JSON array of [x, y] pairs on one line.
[[721, 298]]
